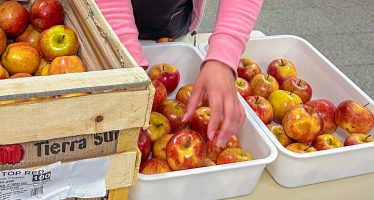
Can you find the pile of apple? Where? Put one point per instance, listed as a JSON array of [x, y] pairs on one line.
[[283, 102], [170, 144], [44, 47]]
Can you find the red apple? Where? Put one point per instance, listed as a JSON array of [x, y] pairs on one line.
[[299, 87], [354, 117], [159, 148], [247, 69], [243, 87], [302, 124], [282, 101], [160, 94], [3, 41], [174, 111], [144, 144], [58, 41], [46, 13], [20, 57], [213, 151], [159, 126], [186, 150], [279, 133], [261, 107], [14, 18], [154, 166], [184, 94], [263, 85], [301, 148], [358, 138], [326, 110], [200, 120], [327, 141], [3, 72], [282, 69], [21, 75], [233, 155], [166, 73], [30, 36], [66, 64]]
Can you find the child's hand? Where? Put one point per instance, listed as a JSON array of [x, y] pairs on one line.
[[217, 83]]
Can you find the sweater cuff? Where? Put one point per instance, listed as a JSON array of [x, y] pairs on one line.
[[225, 49]]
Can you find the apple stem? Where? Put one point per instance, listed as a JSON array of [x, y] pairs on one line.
[[299, 82], [62, 39], [267, 77], [367, 138], [282, 63], [158, 125], [257, 99], [366, 104]]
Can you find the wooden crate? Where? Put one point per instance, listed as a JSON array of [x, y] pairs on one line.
[[120, 98]]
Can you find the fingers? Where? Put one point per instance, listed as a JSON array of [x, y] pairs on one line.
[[216, 106], [233, 120], [196, 97]]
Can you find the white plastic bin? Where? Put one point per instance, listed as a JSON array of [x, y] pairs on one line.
[[216, 182], [328, 82]]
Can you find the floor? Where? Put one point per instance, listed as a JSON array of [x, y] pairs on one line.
[[343, 30]]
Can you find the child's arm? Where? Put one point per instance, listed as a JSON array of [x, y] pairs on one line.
[[120, 16], [235, 21]]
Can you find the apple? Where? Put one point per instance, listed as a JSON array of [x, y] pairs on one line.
[[279, 133], [299, 87], [282, 101], [263, 85], [166, 73], [243, 87], [154, 166], [174, 111], [30, 36], [43, 64], [302, 124], [164, 39], [282, 69], [247, 69], [213, 151], [353, 117], [184, 94], [208, 163], [14, 18], [144, 144], [21, 75], [3, 72], [326, 109], [159, 126], [327, 141], [233, 155], [66, 64], [301, 148], [159, 147], [186, 149], [160, 94], [20, 57], [46, 13], [200, 120], [261, 107], [58, 41], [3, 41], [358, 138]]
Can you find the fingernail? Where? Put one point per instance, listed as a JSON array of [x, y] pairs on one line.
[[184, 119], [211, 135]]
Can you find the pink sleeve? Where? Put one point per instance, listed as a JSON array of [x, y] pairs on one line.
[[120, 16], [235, 21]]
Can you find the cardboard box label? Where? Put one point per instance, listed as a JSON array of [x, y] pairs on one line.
[[56, 181], [63, 149]]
